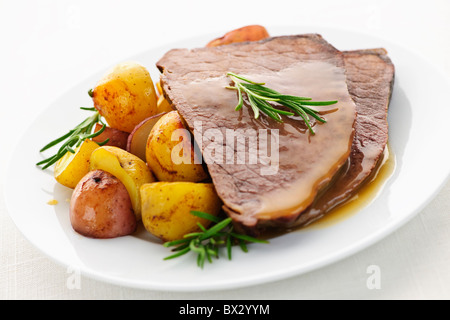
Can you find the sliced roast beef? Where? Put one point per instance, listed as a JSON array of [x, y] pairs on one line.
[[269, 190], [370, 79]]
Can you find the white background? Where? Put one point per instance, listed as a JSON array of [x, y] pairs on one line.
[[47, 47]]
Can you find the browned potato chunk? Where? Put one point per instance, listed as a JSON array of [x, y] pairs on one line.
[[125, 96], [170, 153], [248, 33], [101, 207]]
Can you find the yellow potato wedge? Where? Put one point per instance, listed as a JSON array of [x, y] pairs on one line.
[[159, 88], [163, 105], [128, 168], [166, 207], [72, 167]]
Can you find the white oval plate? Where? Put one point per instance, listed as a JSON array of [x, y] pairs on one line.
[[419, 137]]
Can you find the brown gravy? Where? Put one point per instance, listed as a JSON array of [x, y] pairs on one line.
[[363, 197]]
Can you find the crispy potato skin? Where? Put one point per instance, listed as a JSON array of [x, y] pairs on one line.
[[247, 33], [173, 160], [125, 96], [71, 168], [100, 207], [166, 207]]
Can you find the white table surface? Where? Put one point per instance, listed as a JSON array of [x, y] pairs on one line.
[[49, 46]]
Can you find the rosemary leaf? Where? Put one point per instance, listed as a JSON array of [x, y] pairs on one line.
[[229, 247], [206, 216], [259, 97], [178, 254], [207, 242], [74, 138], [243, 246]]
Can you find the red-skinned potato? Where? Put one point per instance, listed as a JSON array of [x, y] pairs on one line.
[[100, 207], [117, 138], [137, 140]]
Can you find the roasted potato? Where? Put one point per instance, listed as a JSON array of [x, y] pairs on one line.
[[163, 105], [247, 33], [116, 137], [166, 207], [170, 153], [72, 167], [128, 168], [125, 96], [159, 90], [100, 207]]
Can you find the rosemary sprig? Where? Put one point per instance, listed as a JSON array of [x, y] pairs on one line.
[[261, 98], [207, 242], [74, 138]]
